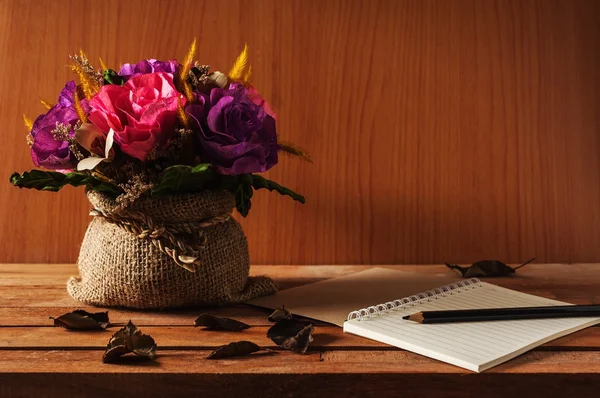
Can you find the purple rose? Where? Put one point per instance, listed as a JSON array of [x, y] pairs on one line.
[[148, 66], [48, 150], [236, 135]]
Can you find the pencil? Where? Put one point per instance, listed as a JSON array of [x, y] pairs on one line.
[[505, 314]]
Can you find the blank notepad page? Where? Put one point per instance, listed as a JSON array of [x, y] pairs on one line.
[[475, 346]]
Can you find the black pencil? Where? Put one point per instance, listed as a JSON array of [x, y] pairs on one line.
[[505, 314]]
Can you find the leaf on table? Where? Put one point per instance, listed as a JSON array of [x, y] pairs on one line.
[[300, 342], [279, 314], [82, 320], [235, 349], [486, 268], [284, 329], [215, 322], [129, 339]]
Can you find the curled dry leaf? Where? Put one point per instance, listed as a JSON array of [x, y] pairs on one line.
[[279, 314], [82, 320], [486, 268], [289, 332], [300, 342], [215, 322], [284, 329], [129, 339], [235, 349]]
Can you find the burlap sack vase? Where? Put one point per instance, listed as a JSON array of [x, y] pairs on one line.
[[136, 258]]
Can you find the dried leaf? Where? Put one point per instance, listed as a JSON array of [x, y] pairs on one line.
[[299, 343], [284, 329], [129, 339], [82, 320], [235, 349], [279, 314], [486, 268], [214, 322]]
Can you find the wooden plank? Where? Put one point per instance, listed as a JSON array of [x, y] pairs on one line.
[[18, 296], [339, 361], [21, 286], [180, 337], [535, 272], [331, 374], [38, 316], [283, 271], [536, 277], [146, 383]]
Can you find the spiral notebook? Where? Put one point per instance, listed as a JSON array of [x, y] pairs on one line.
[[476, 346]]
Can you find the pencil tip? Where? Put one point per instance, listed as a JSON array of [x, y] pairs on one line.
[[416, 317]]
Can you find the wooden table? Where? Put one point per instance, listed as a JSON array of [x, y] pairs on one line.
[[37, 359]]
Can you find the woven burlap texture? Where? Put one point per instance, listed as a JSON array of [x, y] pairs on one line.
[[118, 269]]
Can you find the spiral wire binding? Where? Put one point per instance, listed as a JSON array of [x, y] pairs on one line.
[[420, 298]]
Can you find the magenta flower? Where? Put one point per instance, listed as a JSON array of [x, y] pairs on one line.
[[128, 71], [48, 150], [142, 112], [236, 135]]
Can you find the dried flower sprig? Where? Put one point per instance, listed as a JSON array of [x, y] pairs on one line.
[[290, 149], [78, 108], [28, 122], [134, 189], [237, 71], [65, 132], [46, 104], [90, 79], [184, 73], [184, 118], [29, 126]]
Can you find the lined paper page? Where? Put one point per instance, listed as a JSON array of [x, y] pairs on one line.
[[473, 345]]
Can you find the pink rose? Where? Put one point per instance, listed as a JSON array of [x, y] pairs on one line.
[[142, 112], [257, 99]]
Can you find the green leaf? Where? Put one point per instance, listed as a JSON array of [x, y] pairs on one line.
[[243, 194], [54, 181], [241, 187], [112, 77], [183, 179], [259, 182]]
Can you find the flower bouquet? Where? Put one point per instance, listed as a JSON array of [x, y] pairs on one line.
[[165, 150]]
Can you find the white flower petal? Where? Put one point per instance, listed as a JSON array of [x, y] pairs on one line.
[[110, 139], [89, 163]]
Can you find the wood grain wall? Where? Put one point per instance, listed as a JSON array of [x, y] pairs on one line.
[[449, 130]]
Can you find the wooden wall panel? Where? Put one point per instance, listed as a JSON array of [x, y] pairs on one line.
[[449, 130]]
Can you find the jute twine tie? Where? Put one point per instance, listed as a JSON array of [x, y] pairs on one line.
[[167, 237]]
